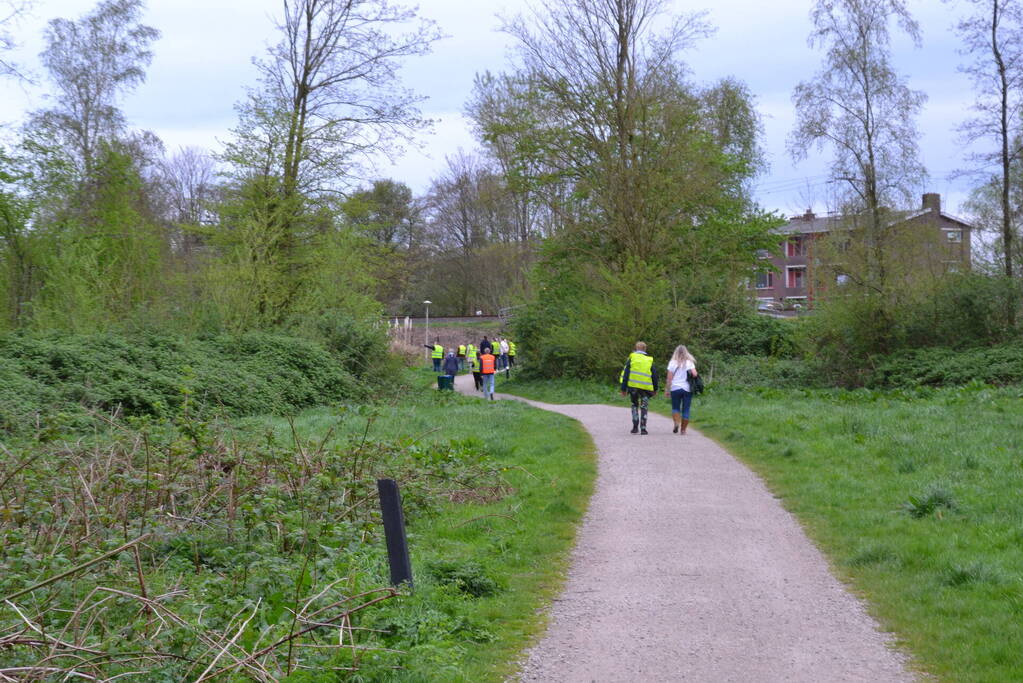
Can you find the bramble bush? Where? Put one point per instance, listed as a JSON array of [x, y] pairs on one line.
[[939, 366], [54, 381]]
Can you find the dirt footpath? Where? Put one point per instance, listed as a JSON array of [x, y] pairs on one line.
[[688, 569]]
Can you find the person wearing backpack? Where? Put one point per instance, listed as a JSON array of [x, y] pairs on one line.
[[681, 372]]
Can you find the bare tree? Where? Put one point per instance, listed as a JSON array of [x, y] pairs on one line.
[[863, 111], [93, 62], [993, 40], [335, 74], [10, 12], [188, 180]]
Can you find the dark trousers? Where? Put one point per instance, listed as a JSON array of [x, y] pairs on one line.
[[640, 405], [477, 380], [436, 365]]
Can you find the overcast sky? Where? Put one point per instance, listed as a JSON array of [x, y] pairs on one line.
[[202, 66]]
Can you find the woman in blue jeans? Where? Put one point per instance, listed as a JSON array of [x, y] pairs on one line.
[[682, 363]]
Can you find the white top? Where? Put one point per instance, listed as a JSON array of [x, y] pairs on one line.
[[504, 346], [680, 380]]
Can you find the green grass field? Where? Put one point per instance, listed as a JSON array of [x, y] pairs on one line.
[[512, 551], [914, 496], [258, 529]]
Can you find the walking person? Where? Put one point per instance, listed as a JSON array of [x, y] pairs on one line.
[[487, 368], [639, 381], [504, 353], [511, 353], [451, 364], [680, 370], [486, 346], [472, 359], [461, 356], [436, 353]]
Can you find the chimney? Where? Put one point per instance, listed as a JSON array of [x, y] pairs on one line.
[[809, 215], [932, 202]]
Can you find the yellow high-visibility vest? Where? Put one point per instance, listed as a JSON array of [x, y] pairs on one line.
[[640, 371], [438, 351], [511, 348]]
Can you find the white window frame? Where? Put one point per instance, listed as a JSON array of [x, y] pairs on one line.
[[954, 236], [788, 271]]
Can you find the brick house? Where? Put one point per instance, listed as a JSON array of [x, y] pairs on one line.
[[791, 278]]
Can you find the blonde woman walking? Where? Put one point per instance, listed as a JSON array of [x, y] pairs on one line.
[[682, 363]]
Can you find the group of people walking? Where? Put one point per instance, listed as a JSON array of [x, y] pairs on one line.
[[484, 361], [640, 381]]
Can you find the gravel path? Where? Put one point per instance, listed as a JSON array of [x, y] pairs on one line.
[[687, 569]]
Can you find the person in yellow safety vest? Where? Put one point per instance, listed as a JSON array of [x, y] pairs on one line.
[[471, 356], [461, 357], [511, 353], [436, 353], [639, 380]]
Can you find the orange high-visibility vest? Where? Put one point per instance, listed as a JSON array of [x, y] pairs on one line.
[[487, 364]]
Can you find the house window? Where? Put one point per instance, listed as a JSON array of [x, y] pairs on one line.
[[795, 278], [955, 236], [763, 253], [796, 246], [765, 280]]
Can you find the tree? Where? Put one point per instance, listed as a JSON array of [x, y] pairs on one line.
[[993, 39], [859, 108], [10, 12], [644, 174], [329, 100], [93, 62], [188, 181]]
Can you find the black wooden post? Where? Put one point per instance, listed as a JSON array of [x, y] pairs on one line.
[[394, 531]]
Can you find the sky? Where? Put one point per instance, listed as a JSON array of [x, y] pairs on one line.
[[203, 65]]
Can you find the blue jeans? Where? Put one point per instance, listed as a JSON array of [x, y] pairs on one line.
[[683, 398], [488, 385], [436, 365]]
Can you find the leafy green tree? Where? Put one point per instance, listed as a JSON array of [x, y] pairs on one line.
[[858, 107], [92, 63], [645, 176], [329, 100]]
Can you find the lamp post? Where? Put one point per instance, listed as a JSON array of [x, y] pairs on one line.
[[427, 302]]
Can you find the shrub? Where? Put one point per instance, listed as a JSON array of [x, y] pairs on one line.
[[749, 334], [941, 366], [56, 377]]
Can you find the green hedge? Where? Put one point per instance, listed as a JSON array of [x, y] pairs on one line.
[[937, 366], [60, 381]]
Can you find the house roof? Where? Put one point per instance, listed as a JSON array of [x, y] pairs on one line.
[[810, 223]]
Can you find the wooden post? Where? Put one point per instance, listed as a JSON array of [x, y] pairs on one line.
[[394, 532]]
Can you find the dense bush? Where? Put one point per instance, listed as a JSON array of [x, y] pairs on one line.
[[749, 334], [58, 379], [939, 366], [723, 370]]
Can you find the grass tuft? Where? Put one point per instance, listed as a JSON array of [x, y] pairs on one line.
[[934, 499]]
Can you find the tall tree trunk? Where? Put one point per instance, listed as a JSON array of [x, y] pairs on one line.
[[1003, 84]]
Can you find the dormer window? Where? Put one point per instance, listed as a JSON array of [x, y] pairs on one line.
[[955, 236]]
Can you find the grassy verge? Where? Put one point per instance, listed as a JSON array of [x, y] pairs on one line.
[[914, 496], [484, 567], [259, 543]]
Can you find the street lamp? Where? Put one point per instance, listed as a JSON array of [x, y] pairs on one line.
[[427, 302]]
